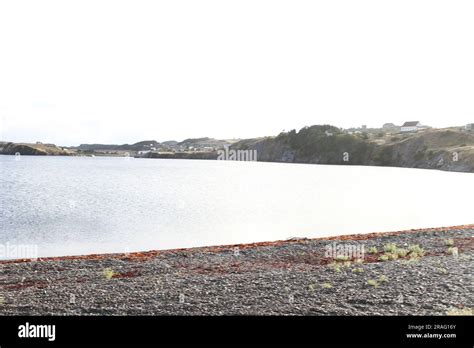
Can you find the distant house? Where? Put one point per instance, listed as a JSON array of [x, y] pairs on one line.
[[328, 133], [411, 126], [389, 126], [469, 127], [144, 152]]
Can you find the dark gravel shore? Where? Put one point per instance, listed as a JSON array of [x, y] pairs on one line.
[[292, 277]]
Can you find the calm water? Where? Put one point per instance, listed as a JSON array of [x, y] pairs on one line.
[[82, 205]]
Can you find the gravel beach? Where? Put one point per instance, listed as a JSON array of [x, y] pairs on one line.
[[416, 272]]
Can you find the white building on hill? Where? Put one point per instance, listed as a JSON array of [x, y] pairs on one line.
[[411, 126]]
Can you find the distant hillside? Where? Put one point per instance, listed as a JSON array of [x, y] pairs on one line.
[[9, 148], [449, 149], [445, 149], [142, 145], [170, 143], [197, 143], [203, 142]]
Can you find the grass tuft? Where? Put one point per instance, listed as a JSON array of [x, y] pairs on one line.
[[108, 273], [341, 258], [336, 267], [442, 270], [394, 253], [416, 249], [453, 251], [449, 242], [372, 250], [373, 282], [402, 252], [390, 247]]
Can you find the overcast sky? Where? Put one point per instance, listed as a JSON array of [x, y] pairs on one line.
[[123, 71]]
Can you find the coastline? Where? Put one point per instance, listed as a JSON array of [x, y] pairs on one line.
[[289, 277], [448, 149]]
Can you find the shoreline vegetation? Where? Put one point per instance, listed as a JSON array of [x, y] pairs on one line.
[[414, 272], [449, 149]]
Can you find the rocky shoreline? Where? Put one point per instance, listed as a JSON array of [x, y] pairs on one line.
[[417, 272]]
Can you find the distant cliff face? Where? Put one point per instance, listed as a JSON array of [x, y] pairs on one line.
[[33, 149], [316, 144], [435, 149], [451, 150]]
